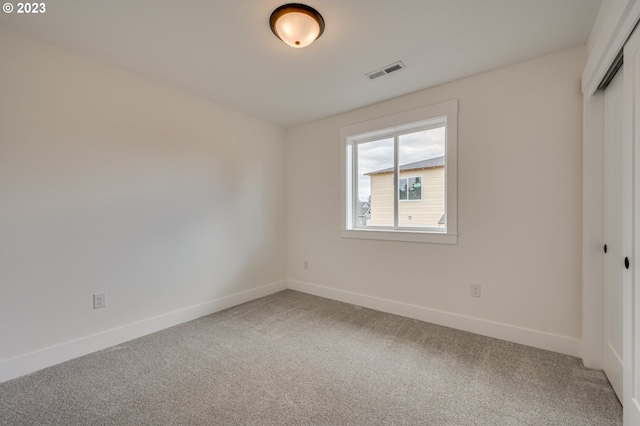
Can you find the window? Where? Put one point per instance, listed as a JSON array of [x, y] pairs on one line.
[[411, 189], [400, 176]]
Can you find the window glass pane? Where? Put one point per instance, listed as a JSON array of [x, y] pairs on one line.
[[415, 188], [402, 189], [374, 203], [421, 160]]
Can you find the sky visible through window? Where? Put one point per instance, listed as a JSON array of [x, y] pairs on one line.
[[378, 155]]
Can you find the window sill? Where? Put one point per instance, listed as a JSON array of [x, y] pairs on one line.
[[395, 235]]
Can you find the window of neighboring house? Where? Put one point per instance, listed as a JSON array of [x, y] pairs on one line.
[[410, 189], [399, 179]]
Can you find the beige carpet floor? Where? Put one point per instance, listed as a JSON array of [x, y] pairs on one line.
[[296, 359]]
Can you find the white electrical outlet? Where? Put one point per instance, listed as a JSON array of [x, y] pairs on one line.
[[475, 290], [99, 300], [306, 264]]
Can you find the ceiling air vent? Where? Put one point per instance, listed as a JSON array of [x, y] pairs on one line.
[[386, 70]]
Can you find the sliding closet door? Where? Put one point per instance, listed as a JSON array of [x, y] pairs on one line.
[[613, 232]]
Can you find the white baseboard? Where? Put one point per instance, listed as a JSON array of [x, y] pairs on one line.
[[37, 360], [537, 339]]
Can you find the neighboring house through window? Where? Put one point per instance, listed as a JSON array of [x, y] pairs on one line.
[[421, 193], [400, 174]]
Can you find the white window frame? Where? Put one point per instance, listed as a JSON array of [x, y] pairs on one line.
[[418, 119]]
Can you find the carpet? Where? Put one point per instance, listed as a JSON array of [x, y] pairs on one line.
[[297, 359]]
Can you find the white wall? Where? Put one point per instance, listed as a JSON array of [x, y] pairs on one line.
[[113, 183], [519, 162]]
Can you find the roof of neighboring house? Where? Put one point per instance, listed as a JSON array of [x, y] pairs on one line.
[[424, 164]]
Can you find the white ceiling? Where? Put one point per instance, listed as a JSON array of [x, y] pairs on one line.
[[224, 51]]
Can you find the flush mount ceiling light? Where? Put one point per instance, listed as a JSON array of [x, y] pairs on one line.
[[296, 24]]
